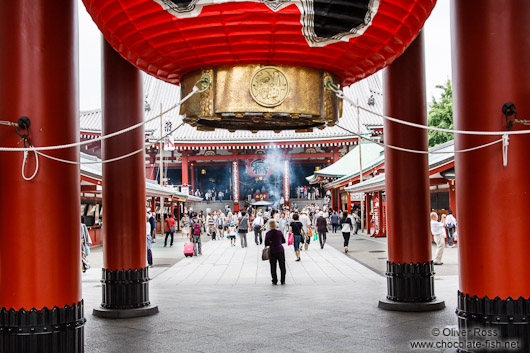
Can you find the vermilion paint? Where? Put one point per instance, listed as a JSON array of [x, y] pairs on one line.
[[124, 225], [40, 251], [491, 66], [407, 174], [168, 44]]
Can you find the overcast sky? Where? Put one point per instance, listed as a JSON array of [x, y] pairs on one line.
[[437, 55]]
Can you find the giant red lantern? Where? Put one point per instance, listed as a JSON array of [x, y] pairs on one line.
[[340, 40]]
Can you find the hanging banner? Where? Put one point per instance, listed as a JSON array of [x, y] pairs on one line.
[[235, 178], [258, 168], [169, 144], [286, 181]]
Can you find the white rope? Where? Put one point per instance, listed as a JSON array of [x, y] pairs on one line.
[[96, 162], [24, 165], [8, 123], [341, 95], [418, 151], [112, 159], [505, 143], [101, 138]]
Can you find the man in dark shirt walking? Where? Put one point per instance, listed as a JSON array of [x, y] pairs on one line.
[[322, 229]]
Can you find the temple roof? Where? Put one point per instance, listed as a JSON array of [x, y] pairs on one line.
[[161, 96], [152, 188], [444, 157], [348, 165]]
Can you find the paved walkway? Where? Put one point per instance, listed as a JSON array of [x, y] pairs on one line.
[[223, 301]]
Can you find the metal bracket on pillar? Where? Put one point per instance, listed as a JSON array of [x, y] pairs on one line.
[[510, 113]]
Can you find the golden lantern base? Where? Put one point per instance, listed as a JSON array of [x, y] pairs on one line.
[[260, 97]]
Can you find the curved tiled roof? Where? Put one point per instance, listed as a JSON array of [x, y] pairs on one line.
[[161, 96], [444, 155]]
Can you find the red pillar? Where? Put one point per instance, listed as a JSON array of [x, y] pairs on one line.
[[179, 215], [368, 211], [193, 178], [452, 196], [336, 155], [185, 179], [40, 262], [381, 232], [410, 270], [348, 195], [125, 274], [491, 66]]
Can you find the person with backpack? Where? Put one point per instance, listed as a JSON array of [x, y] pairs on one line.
[[196, 235], [170, 229], [242, 229]]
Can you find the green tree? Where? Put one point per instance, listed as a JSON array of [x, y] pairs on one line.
[[441, 115]]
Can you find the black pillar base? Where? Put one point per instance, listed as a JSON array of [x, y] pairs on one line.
[[57, 330], [125, 294], [410, 288], [125, 313], [389, 305], [505, 323]]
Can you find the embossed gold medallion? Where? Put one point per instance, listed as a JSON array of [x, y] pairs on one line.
[[269, 87], [258, 97]]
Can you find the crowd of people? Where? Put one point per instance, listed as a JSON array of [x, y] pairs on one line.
[[300, 226], [270, 226]]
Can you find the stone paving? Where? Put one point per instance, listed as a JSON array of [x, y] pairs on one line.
[[224, 301]]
